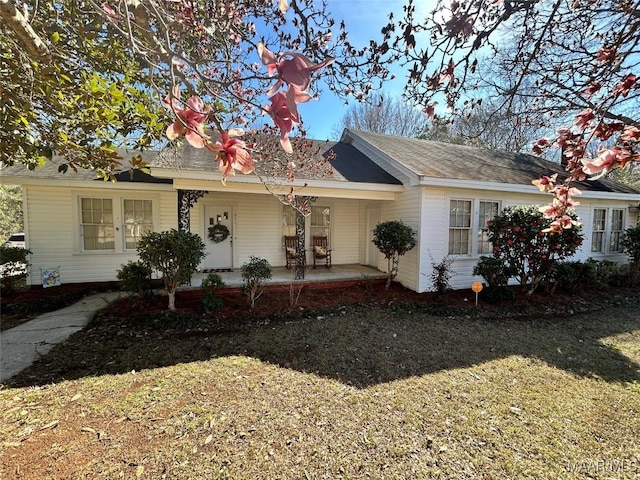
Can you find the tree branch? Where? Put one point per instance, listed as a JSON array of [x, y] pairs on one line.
[[28, 38]]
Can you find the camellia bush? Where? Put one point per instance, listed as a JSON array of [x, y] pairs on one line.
[[175, 254], [393, 239], [521, 236]]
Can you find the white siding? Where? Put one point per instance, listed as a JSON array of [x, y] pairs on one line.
[[53, 232], [435, 224], [407, 207]]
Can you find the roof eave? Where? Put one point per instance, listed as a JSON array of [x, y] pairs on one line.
[[519, 188]]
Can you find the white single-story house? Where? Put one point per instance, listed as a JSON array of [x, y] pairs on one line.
[[445, 192]]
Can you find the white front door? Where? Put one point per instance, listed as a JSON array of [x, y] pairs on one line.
[[219, 253]]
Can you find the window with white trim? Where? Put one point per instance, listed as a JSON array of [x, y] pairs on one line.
[[598, 230], [137, 219], [320, 221], [607, 229], [487, 210], [288, 221], [459, 227], [96, 218], [113, 223], [617, 227]]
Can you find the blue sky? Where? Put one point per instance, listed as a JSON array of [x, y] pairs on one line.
[[364, 19]]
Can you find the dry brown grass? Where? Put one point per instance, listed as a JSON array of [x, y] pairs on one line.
[[363, 393]]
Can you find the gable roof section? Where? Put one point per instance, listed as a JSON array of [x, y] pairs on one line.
[[422, 159], [349, 164]]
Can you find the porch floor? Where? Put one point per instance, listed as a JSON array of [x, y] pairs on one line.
[[282, 276]]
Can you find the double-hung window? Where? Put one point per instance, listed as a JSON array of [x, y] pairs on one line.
[[487, 211], [607, 229], [617, 227], [98, 232], [459, 227], [320, 225], [599, 227], [114, 223], [138, 219]]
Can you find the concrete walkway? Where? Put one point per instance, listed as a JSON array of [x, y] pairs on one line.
[[21, 345]]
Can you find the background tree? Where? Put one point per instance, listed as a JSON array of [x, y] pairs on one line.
[[380, 114], [393, 239], [573, 59], [10, 211], [83, 78]]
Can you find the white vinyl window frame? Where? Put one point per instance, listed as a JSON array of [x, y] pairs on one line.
[[137, 219], [607, 226], [467, 219], [117, 223], [319, 222], [460, 227]]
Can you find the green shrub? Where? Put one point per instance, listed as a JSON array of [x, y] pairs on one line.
[[518, 237], [605, 272], [441, 274], [494, 270], [631, 245], [570, 276], [135, 277], [211, 301], [14, 266], [175, 254], [254, 273], [499, 294], [393, 239]]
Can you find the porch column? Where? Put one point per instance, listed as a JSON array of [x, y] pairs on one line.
[[186, 200], [302, 203]]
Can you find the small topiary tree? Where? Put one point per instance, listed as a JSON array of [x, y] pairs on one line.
[[211, 301], [393, 239], [254, 273], [135, 277], [518, 237], [175, 254]]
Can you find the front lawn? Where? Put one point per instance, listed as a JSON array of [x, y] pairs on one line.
[[393, 393]]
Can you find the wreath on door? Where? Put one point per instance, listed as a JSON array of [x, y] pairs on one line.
[[218, 232]]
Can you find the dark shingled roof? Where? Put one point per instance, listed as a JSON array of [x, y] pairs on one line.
[[50, 170], [444, 160], [349, 164]]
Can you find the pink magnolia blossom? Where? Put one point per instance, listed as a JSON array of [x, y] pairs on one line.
[[295, 72], [593, 88], [430, 110], [630, 134], [607, 160], [563, 222], [606, 55], [283, 117], [540, 145], [231, 153], [190, 121], [625, 85], [545, 183], [584, 118]]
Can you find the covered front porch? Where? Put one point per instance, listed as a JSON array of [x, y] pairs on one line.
[[282, 276]]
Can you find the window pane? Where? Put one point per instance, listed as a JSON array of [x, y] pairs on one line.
[[97, 224], [487, 211], [599, 223], [459, 227], [321, 221], [138, 219]]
